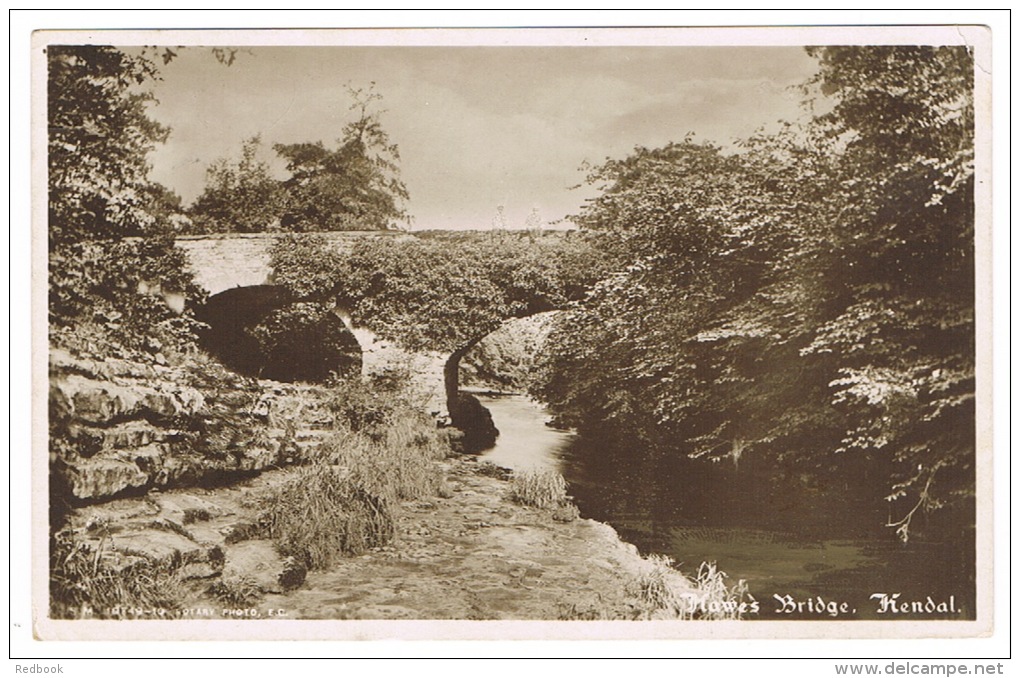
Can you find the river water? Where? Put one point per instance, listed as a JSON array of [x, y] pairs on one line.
[[800, 562]]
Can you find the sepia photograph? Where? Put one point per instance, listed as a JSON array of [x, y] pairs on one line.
[[608, 333]]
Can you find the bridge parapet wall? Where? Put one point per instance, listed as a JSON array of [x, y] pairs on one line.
[[224, 261], [220, 264]]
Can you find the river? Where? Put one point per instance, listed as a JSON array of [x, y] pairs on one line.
[[800, 562]]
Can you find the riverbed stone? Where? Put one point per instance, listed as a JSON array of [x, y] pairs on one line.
[[158, 545], [187, 508]]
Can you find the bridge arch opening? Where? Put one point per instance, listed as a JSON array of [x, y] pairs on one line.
[[501, 361], [264, 331]]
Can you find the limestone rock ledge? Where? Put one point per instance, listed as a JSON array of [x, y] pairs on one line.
[[120, 427]]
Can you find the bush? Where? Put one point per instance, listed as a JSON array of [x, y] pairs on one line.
[[321, 513], [357, 406], [125, 297], [539, 488], [376, 402]]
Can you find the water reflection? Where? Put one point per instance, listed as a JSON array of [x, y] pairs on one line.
[[803, 544]]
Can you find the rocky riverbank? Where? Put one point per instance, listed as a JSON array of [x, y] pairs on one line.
[[163, 475], [472, 554], [124, 426]]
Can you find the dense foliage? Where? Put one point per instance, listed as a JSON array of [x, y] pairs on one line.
[[125, 297], [439, 293], [109, 293], [99, 136], [807, 300]]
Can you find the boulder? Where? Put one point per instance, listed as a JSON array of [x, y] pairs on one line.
[[168, 544], [475, 420]]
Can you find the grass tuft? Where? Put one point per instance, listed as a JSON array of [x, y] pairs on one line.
[[88, 582], [396, 463], [240, 591], [321, 514], [667, 592], [195, 515], [567, 513], [539, 488], [717, 599], [591, 610]]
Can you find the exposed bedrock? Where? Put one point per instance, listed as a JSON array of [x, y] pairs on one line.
[[119, 427]]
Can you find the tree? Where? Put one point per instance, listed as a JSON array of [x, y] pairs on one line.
[[688, 221], [807, 300], [109, 294], [355, 187], [905, 244], [167, 208], [99, 137], [242, 197]]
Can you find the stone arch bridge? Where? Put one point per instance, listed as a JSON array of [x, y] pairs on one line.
[[227, 266]]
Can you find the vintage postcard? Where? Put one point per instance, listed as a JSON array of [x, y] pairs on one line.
[[512, 333]]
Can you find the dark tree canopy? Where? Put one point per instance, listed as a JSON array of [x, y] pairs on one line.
[[109, 294], [808, 299]]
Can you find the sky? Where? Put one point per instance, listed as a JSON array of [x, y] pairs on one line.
[[477, 127]]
